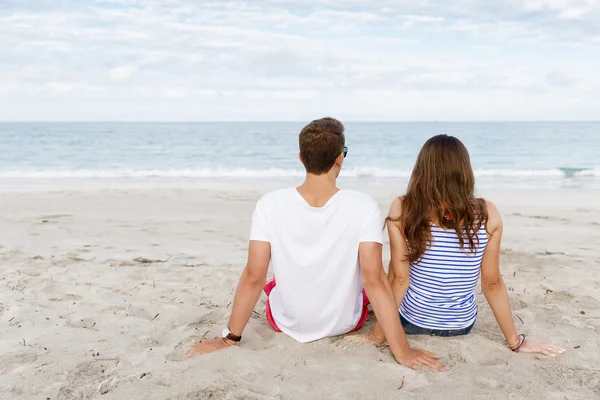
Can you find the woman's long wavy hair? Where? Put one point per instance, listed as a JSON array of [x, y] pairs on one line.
[[442, 190]]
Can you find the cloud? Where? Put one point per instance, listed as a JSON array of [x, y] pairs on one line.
[[62, 87], [284, 59], [564, 9], [176, 93], [559, 79], [123, 73]]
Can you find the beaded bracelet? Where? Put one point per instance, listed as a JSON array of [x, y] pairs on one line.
[[510, 346], [523, 337]]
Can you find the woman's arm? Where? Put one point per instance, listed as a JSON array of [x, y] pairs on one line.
[[495, 291], [398, 274], [492, 283]]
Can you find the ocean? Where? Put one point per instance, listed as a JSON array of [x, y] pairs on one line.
[[513, 155]]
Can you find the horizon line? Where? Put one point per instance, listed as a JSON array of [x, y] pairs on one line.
[[287, 121]]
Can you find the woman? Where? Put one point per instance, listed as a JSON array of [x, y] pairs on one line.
[[442, 240]]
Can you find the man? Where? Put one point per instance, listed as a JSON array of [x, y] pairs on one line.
[[324, 244]]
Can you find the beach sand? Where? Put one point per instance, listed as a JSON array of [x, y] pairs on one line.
[[102, 291]]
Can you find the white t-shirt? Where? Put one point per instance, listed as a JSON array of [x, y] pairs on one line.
[[314, 254]]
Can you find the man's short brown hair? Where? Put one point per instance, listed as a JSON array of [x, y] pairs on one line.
[[321, 142]]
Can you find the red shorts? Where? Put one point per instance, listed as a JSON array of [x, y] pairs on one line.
[[272, 283]]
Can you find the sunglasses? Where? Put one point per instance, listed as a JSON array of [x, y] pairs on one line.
[[345, 151]]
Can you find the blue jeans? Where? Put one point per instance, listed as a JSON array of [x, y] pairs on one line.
[[412, 329]]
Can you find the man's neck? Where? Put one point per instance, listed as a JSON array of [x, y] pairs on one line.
[[318, 189]]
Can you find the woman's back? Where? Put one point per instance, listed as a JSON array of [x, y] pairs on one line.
[[434, 269], [441, 293]]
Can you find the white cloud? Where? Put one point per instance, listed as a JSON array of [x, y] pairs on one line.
[[123, 73], [61, 87], [564, 9], [423, 18], [389, 59], [176, 93]]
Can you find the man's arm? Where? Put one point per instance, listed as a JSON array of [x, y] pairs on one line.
[[384, 305], [398, 277], [399, 269], [246, 296], [251, 284]]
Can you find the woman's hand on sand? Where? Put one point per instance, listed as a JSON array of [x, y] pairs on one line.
[[536, 346], [207, 346], [419, 359], [362, 339]]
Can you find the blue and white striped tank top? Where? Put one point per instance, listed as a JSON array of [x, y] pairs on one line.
[[441, 292]]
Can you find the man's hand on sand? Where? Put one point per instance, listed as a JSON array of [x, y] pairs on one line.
[[208, 346], [419, 359], [415, 359]]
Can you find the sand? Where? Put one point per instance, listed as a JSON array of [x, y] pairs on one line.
[[102, 291]]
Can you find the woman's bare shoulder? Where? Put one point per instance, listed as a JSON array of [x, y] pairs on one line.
[[395, 209], [494, 220]]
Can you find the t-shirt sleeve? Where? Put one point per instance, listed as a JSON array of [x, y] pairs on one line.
[[260, 226], [373, 230]]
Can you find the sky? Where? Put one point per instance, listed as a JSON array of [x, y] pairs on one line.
[[360, 60]]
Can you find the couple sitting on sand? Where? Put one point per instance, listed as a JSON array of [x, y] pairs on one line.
[[325, 245]]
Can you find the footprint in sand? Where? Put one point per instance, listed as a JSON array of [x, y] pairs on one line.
[[108, 386], [88, 378], [208, 393], [68, 393], [210, 318], [66, 297], [552, 297], [245, 394], [588, 302], [226, 394], [94, 371], [488, 383], [517, 304], [414, 381], [12, 361], [115, 310], [83, 323], [576, 377], [129, 311], [487, 355]]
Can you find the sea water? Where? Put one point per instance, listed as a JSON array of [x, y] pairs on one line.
[[519, 155]]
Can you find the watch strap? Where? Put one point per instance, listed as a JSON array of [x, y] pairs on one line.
[[231, 336]]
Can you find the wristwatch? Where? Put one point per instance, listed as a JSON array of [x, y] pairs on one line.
[[230, 336]]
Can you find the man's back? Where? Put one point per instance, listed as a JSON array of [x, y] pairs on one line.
[[314, 254]]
